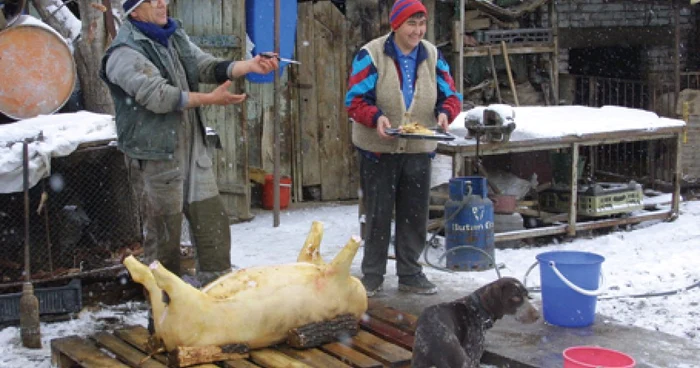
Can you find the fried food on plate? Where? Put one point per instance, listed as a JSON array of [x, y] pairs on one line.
[[415, 128]]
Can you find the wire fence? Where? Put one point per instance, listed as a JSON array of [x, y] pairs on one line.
[[82, 219]]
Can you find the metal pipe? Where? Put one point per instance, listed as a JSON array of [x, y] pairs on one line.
[[30, 327], [276, 124], [25, 176]]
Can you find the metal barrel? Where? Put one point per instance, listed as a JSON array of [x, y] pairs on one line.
[[37, 70]]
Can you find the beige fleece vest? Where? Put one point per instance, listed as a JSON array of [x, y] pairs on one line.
[[390, 101]]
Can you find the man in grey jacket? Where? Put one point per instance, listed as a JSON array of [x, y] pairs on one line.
[[153, 71]]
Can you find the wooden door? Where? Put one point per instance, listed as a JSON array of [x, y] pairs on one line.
[[326, 157], [218, 27]]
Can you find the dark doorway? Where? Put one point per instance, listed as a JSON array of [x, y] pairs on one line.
[[609, 62], [608, 76]]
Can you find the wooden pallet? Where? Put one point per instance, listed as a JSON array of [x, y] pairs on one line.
[[384, 340]]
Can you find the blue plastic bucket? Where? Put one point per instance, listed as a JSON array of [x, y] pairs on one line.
[[569, 299]]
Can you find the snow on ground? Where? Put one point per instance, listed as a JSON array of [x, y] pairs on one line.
[[656, 256]]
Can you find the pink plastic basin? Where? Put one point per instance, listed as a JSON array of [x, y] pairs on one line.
[[596, 357]]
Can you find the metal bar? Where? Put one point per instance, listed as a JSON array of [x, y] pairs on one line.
[[276, 129], [25, 175], [460, 46]]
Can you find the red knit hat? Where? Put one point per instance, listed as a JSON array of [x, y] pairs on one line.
[[404, 9]]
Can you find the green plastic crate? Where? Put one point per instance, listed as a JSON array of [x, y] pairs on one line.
[[601, 199]]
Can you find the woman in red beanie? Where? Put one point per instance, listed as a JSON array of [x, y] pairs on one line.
[[397, 79]]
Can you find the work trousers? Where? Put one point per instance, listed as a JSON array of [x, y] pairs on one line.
[[399, 182], [165, 189]]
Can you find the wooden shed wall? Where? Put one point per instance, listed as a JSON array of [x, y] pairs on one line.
[[316, 148], [325, 155], [690, 154], [216, 26]]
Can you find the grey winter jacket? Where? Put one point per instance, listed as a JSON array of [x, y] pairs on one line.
[[147, 92]]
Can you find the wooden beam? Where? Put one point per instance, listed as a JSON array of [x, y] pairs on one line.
[[553, 18], [430, 6]]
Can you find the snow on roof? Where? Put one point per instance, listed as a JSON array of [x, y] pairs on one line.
[[537, 122], [62, 134]]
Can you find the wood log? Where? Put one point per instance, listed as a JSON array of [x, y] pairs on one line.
[[319, 333]]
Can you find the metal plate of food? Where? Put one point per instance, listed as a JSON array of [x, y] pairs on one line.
[[436, 135]]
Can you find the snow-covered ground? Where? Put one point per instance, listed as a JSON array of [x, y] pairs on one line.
[[652, 257], [656, 256]]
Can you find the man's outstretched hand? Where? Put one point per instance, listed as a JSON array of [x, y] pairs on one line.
[[219, 96], [222, 96]]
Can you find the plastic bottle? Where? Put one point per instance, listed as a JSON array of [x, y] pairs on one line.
[[29, 325]]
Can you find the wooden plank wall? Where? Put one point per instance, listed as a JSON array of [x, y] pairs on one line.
[[327, 158], [690, 152], [212, 18], [316, 135]]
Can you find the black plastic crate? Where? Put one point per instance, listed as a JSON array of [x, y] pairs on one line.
[[52, 301]]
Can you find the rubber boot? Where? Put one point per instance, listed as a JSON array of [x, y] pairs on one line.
[[211, 235]]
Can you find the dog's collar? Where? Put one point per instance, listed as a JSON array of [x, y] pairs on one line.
[[484, 315]]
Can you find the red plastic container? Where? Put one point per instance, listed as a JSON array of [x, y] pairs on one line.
[[268, 195], [596, 357]]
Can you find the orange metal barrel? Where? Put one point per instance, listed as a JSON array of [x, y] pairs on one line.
[[37, 71]]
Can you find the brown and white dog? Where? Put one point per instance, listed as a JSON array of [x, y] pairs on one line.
[[451, 335]]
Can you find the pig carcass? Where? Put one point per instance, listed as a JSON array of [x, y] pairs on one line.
[[256, 306]]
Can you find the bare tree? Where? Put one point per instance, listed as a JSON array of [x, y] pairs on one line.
[[89, 50], [89, 46]]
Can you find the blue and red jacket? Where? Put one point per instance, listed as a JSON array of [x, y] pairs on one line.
[[361, 97]]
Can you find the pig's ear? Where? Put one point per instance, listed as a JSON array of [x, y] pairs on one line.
[[342, 262], [310, 252]]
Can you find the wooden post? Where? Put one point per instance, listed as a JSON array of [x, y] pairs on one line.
[[276, 124], [430, 6], [573, 203], [677, 53], [554, 20], [677, 163]]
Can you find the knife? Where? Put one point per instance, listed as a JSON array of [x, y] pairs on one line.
[[270, 55]]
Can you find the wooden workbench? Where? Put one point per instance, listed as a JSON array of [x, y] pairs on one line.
[[464, 151]]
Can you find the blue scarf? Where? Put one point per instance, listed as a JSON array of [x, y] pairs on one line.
[[156, 32]]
